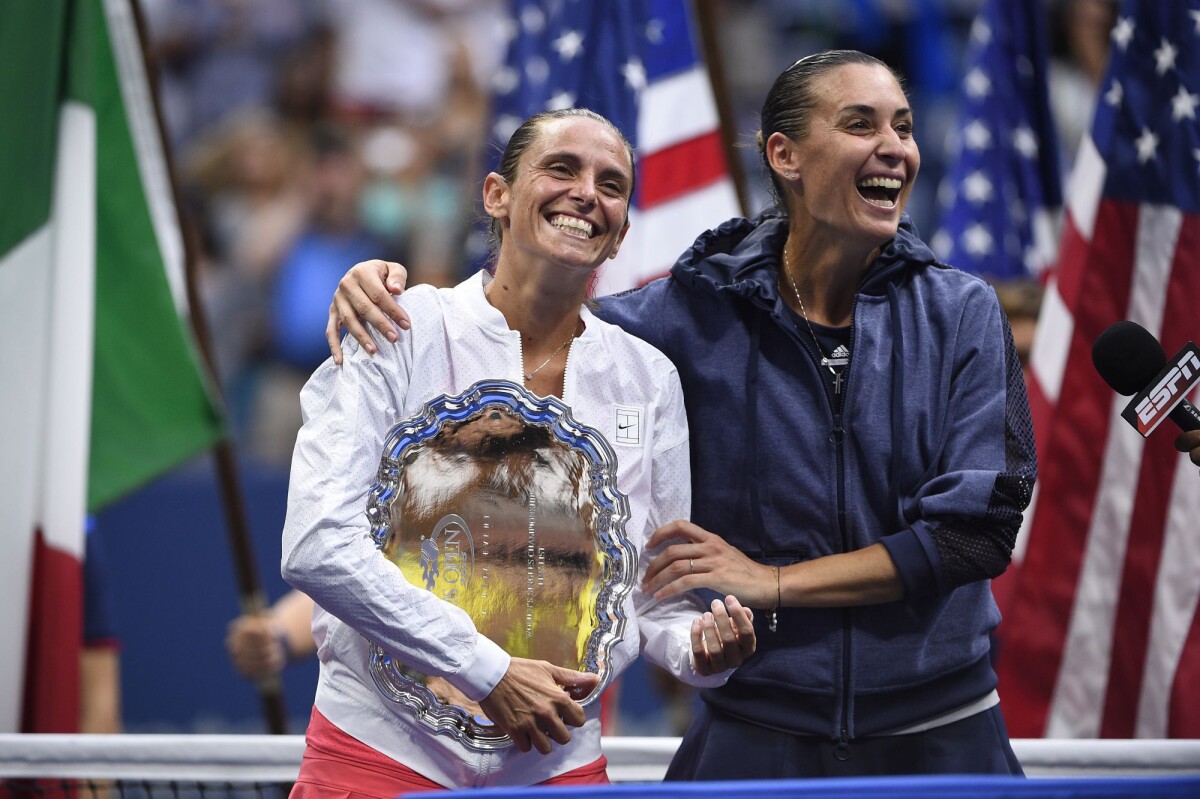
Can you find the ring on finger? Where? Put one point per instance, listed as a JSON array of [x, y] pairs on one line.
[[691, 566]]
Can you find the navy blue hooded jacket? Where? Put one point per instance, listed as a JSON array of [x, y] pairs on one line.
[[932, 455]]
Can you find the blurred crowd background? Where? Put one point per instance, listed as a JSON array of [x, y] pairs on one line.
[[308, 135], [312, 134]]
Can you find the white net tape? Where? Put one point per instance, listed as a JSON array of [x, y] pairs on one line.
[[261, 763]]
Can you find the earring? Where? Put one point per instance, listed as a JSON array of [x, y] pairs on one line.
[[790, 175]]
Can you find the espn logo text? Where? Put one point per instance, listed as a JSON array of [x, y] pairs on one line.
[[1150, 407]]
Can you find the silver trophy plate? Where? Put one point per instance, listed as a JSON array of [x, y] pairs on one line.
[[500, 503]]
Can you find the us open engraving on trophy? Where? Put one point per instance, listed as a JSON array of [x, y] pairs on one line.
[[483, 588], [448, 553]]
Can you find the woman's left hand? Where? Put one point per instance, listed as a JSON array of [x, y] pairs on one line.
[[722, 638], [700, 559]]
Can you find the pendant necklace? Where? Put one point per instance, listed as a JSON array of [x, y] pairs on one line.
[[561, 347], [833, 364]]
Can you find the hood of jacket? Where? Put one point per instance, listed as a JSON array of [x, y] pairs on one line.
[[741, 257]]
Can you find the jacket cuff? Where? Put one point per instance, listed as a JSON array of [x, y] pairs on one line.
[[912, 553], [711, 681], [482, 670]]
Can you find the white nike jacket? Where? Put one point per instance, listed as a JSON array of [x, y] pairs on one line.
[[615, 383]]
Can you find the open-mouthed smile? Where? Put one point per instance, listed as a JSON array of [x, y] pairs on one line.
[[573, 226], [880, 191]]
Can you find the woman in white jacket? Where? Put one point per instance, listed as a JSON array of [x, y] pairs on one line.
[[559, 205]]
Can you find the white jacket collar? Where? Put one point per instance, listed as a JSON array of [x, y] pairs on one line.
[[471, 291]]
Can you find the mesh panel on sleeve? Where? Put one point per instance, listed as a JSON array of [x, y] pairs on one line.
[[980, 553], [980, 549], [1010, 497]]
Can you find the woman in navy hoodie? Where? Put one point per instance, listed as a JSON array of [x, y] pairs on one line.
[[861, 451]]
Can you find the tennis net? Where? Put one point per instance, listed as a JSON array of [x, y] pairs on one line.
[[133, 766]]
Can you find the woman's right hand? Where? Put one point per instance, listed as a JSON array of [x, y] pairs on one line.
[[536, 702], [365, 294]]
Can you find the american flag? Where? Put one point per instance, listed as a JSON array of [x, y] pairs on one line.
[[1102, 636], [1002, 198], [635, 62]]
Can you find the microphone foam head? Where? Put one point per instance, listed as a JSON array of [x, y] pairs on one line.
[[1127, 356]]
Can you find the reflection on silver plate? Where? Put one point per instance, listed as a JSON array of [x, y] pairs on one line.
[[500, 503]]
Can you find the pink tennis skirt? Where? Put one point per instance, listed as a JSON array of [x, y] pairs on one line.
[[338, 766]]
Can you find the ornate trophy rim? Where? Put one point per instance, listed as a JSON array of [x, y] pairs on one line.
[[620, 557]]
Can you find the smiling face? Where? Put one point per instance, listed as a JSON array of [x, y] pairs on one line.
[[568, 203], [854, 169]]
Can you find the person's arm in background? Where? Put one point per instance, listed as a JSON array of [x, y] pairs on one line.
[[262, 644], [100, 690], [100, 657]]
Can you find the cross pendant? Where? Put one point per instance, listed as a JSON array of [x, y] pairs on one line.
[[837, 381]]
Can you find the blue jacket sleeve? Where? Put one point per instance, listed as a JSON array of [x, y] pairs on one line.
[[968, 513]]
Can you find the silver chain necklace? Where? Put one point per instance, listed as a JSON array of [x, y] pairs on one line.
[[825, 359], [561, 347]]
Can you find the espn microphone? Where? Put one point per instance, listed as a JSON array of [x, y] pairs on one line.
[[1132, 361]]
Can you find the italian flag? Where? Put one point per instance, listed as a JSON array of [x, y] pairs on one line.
[[101, 387]]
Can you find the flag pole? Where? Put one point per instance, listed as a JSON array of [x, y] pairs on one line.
[[251, 598], [707, 22]]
